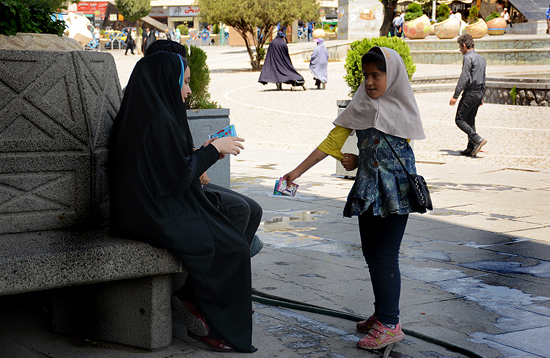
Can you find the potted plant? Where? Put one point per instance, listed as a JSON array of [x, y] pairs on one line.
[[496, 25], [446, 27], [416, 25], [476, 27], [33, 24], [354, 72]]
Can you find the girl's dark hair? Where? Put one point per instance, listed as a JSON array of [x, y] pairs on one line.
[[374, 56]]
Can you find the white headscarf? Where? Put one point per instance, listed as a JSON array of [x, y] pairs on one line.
[[395, 112]]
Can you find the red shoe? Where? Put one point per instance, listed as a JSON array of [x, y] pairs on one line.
[[380, 336], [191, 317], [219, 346], [366, 326]]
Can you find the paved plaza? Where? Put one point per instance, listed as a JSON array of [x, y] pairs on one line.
[[475, 270]]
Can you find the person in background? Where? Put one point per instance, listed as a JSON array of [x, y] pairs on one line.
[[472, 86], [506, 16], [384, 114], [278, 66], [149, 38], [130, 42], [97, 35], [309, 31], [395, 25], [548, 20], [318, 63]]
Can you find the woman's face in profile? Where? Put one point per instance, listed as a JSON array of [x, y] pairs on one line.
[[185, 89]]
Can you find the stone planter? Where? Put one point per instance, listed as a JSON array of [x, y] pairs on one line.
[[447, 29], [496, 26], [418, 28], [477, 29], [38, 42], [202, 123]]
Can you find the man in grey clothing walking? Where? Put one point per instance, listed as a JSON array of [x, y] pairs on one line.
[[472, 86]]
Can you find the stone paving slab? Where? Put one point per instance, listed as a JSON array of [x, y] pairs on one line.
[[491, 310]]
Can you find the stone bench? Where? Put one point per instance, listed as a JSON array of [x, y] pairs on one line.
[[55, 122], [103, 287]]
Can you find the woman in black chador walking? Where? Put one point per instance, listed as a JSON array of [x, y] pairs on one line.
[[278, 67]]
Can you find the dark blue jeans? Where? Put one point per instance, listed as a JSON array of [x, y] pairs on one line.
[[381, 239]]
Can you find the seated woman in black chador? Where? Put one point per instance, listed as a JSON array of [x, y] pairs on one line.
[[156, 197]]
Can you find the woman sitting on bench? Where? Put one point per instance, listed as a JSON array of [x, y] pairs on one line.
[[156, 197]]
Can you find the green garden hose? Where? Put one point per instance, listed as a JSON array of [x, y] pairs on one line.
[[265, 298]]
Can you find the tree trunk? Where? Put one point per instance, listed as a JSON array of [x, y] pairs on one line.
[[389, 12], [139, 38]]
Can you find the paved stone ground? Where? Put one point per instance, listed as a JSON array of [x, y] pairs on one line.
[[475, 270]]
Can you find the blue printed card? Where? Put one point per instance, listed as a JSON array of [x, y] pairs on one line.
[[281, 189], [228, 131]]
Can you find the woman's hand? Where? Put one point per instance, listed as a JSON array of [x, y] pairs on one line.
[[210, 141], [204, 179], [349, 161], [228, 145]]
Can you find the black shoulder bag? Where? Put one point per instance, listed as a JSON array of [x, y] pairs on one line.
[[419, 193]]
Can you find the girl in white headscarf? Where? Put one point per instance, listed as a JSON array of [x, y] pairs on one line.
[[383, 112]]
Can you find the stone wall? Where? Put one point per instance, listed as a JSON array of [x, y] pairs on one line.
[[56, 112], [527, 94]]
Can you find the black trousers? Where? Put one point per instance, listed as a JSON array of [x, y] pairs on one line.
[[244, 213], [381, 239], [466, 114]]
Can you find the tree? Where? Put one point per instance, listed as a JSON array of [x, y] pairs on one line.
[[254, 20], [389, 8], [134, 10]]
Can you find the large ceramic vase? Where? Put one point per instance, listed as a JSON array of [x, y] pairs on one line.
[[477, 29], [447, 29], [418, 28], [496, 26]]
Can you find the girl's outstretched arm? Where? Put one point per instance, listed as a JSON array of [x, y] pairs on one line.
[[315, 157]]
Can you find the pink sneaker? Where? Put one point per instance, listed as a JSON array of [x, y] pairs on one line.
[[380, 336], [366, 326]]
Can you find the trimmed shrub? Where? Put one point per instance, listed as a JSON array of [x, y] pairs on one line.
[[216, 28], [413, 11], [31, 16], [493, 15], [473, 14], [200, 80], [354, 72], [183, 30], [442, 12]]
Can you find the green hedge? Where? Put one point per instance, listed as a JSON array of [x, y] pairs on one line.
[[200, 80], [354, 72], [31, 16]]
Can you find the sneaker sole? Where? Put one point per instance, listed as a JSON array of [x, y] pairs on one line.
[[387, 343], [478, 147], [194, 325]]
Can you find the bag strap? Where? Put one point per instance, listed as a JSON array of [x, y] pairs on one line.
[[395, 154]]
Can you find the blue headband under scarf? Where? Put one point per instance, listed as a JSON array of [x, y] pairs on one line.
[[182, 71]]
